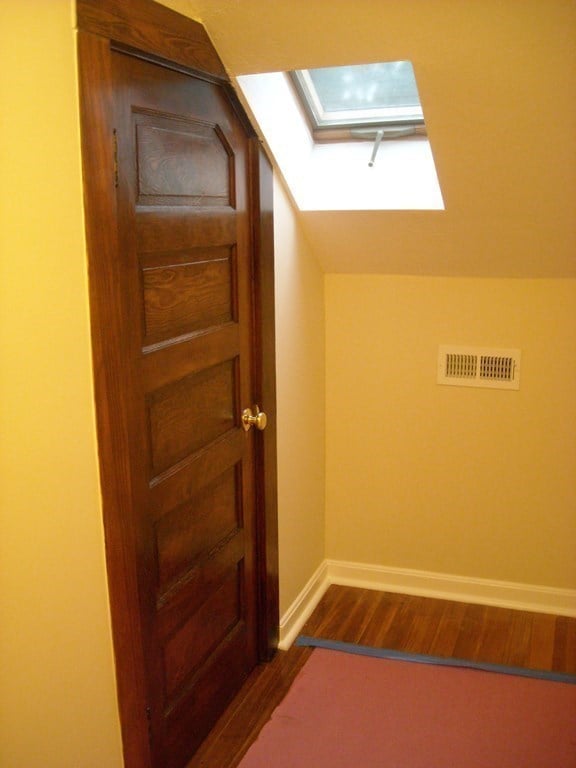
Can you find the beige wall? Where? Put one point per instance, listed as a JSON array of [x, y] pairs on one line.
[[462, 481], [300, 386], [57, 692]]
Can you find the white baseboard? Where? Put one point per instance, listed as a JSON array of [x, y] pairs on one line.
[[502, 594], [296, 616]]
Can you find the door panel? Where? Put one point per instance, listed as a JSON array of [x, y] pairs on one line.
[[186, 270], [189, 413], [184, 533], [182, 162], [170, 279]]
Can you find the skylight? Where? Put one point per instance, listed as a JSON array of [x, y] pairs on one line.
[[334, 167], [362, 95]]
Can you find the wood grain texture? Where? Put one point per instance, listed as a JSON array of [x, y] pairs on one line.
[[208, 612], [261, 204], [152, 28], [204, 520], [190, 413], [110, 369], [182, 162], [400, 622], [146, 341]]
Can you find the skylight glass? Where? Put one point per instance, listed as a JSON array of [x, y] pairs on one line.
[[361, 95]]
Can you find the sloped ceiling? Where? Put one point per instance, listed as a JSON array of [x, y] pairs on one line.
[[497, 80]]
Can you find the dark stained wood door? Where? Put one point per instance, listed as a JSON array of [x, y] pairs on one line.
[[185, 245]]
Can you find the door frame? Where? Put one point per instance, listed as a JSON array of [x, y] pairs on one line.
[[151, 31]]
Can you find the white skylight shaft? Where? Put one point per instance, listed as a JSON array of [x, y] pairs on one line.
[[336, 176]]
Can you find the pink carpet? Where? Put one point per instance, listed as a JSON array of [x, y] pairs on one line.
[[350, 711]]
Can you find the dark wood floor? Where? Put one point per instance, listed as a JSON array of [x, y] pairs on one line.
[[385, 620]]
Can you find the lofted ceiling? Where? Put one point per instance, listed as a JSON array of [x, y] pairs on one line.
[[497, 81]]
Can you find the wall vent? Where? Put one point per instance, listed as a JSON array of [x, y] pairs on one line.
[[479, 367]]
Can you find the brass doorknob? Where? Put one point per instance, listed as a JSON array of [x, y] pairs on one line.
[[255, 417]]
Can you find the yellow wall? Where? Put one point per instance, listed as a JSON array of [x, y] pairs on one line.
[[301, 402], [57, 692], [464, 481]]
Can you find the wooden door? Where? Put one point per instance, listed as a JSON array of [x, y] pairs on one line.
[[185, 251], [178, 223]]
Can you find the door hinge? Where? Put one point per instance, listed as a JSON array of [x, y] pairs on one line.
[[115, 159]]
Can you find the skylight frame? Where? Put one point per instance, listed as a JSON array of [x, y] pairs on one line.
[[322, 120]]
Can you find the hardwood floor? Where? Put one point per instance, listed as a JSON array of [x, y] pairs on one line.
[[400, 622]]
